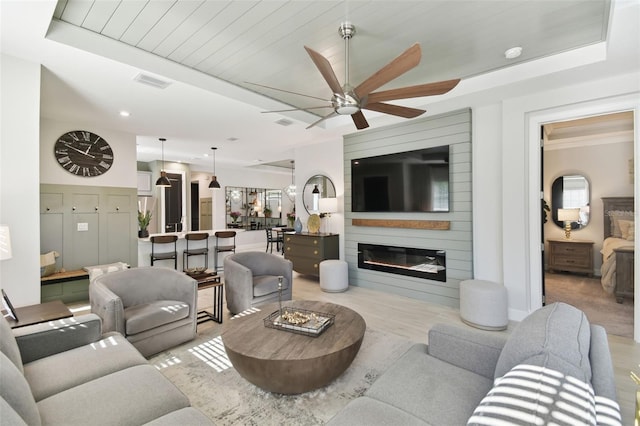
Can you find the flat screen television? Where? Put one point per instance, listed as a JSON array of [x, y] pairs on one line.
[[412, 181]]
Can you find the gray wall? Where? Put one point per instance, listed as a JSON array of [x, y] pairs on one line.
[[452, 129]]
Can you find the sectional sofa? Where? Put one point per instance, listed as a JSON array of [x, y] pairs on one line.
[[67, 372], [553, 368]]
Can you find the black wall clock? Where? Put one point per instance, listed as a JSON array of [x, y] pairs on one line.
[[83, 153]]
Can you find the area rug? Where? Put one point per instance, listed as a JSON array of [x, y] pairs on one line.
[[202, 371], [588, 295]]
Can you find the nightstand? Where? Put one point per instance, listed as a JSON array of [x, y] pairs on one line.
[[570, 255]]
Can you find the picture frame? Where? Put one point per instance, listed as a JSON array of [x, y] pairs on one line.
[[8, 307]]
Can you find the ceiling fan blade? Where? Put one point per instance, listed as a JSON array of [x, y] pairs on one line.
[[401, 64], [359, 120], [325, 69], [418, 91], [296, 109], [287, 91], [321, 120], [400, 111]]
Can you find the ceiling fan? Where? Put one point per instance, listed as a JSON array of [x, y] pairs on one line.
[[347, 100]]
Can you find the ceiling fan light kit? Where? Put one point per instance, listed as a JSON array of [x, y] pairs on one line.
[[347, 100]]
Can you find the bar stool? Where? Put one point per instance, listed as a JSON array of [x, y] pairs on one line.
[[166, 255], [202, 251], [229, 245]]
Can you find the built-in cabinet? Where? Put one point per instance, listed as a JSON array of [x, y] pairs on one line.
[[88, 225], [571, 256], [306, 251]]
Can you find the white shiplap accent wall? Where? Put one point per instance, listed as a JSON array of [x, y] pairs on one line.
[[452, 129]]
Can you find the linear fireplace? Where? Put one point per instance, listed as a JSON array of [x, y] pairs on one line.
[[414, 262]]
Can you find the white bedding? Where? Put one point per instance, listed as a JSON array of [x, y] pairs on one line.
[[608, 269]]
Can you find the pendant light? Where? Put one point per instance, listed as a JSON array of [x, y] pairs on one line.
[[163, 180], [214, 184], [290, 190]]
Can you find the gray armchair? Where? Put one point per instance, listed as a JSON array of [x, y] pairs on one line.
[[155, 308], [251, 279]]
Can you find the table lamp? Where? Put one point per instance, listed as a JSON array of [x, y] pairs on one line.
[[567, 216], [328, 206]]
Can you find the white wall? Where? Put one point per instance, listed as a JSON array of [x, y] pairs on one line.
[[19, 177], [605, 167], [324, 158], [122, 173]]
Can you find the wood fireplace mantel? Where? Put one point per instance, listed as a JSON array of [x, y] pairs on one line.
[[442, 225]]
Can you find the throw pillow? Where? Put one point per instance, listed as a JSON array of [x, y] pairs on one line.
[[48, 263], [624, 228], [96, 271], [534, 395], [615, 216], [632, 232]]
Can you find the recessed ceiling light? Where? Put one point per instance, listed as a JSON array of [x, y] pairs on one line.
[[232, 139], [125, 113], [513, 53]]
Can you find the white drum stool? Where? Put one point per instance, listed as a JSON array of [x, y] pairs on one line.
[[483, 304], [334, 275]]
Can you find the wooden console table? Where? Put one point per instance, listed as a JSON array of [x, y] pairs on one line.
[[36, 314]]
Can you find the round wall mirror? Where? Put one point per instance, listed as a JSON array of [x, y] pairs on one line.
[[318, 186], [571, 192]]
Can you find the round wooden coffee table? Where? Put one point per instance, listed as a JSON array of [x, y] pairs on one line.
[[284, 362]]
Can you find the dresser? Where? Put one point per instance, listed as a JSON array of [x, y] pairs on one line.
[[306, 251], [570, 255]]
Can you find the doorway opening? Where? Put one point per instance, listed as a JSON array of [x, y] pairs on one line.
[[195, 206], [584, 163], [173, 204]]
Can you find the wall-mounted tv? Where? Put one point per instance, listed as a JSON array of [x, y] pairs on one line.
[[412, 181]]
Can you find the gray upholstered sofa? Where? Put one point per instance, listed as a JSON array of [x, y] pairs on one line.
[[251, 279], [155, 308], [553, 366], [67, 372]]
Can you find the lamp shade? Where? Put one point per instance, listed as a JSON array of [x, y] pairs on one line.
[[214, 184], [5, 243], [568, 215], [163, 180], [328, 205]]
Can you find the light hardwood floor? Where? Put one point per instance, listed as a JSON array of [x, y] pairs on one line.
[[411, 319]]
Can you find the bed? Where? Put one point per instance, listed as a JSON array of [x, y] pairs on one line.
[[618, 247]]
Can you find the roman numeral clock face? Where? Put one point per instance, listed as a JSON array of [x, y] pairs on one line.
[[83, 153]]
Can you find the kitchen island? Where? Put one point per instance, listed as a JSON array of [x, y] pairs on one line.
[[245, 241]]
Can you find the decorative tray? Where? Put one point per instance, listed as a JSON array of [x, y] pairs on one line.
[[198, 272], [300, 321]]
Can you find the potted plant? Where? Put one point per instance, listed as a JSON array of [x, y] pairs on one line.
[[234, 216], [143, 223], [291, 217], [267, 211]]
